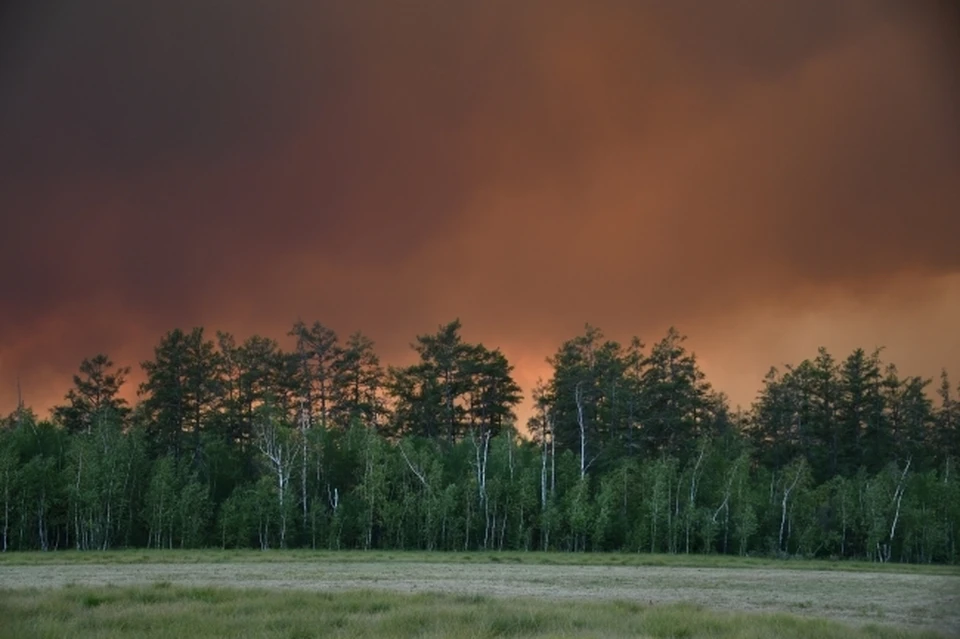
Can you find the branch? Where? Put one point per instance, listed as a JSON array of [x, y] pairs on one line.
[[726, 497], [693, 478], [795, 480], [412, 467], [898, 497]]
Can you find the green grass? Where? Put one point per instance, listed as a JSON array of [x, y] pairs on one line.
[[163, 611], [140, 556]]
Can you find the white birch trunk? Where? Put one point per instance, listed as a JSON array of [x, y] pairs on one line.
[[543, 471], [693, 495], [280, 456], [898, 498], [304, 427], [786, 497], [481, 446], [583, 429]]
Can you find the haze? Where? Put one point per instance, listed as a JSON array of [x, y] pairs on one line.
[[767, 176]]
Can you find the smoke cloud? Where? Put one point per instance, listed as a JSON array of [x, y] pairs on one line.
[[769, 177]]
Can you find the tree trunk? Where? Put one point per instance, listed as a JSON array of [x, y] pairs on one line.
[[897, 497], [41, 521], [482, 455], [583, 430], [786, 497], [693, 497], [543, 473]]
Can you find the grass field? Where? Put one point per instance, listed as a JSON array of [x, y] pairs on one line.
[[305, 594], [163, 610], [215, 556]]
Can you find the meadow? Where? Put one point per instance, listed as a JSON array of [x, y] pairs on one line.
[[535, 558], [163, 610], [395, 594]]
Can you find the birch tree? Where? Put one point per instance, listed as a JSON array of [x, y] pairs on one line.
[[372, 485], [885, 502], [101, 478], [733, 487], [792, 477], [8, 478], [279, 450], [691, 507]]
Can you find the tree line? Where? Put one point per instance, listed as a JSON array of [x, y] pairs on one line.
[[629, 449]]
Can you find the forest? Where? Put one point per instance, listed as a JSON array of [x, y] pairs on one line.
[[247, 445]]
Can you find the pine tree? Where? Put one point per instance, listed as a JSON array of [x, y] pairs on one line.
[[180, 392], [358, 379], [95, 395]]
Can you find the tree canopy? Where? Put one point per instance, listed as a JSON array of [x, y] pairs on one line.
[[251, 444]]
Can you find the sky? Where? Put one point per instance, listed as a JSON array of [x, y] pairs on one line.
[[769, 177]]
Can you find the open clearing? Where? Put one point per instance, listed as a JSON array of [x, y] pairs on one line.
[[919, 601], [163, 611]]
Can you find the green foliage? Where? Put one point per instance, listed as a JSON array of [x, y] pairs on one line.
[[180, 391], [94, 396], [247, 445], [454, 390], [177, 505], [163, 611], [102, 480]]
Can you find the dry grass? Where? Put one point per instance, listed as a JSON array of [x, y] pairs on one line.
[[215, 556], [860, 598]]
